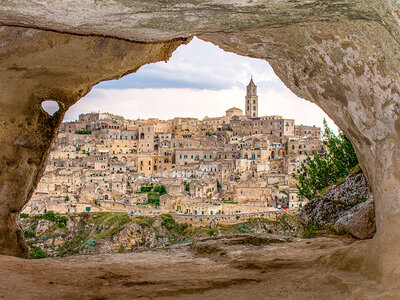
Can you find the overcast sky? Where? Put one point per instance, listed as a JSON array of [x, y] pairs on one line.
[[199, 80]]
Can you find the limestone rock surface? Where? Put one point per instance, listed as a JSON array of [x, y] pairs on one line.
[[322, 213], [214, 269], [359, 221], [165, 20], [35, 66]]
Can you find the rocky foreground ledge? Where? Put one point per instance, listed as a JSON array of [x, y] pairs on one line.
[[245, 266]]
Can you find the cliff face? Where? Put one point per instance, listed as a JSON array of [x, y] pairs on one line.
[[97, 233], [341, 55]]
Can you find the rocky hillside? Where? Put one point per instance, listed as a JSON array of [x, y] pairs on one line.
[[347, 207], [91, 233]]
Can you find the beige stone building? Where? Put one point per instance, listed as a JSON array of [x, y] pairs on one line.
[[235, 163]]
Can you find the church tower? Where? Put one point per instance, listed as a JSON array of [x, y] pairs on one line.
[[251, 100]]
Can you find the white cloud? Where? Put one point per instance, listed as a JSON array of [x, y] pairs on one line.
[[199, 80], [168, 103]]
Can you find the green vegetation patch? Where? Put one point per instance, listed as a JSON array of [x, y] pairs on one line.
[[29, 234], [83, 132], [309, 232], [160, 190], [112, 222], [321, 170], [38, 253], [143, 220], [59, 220], [170, 224], [153, 198]]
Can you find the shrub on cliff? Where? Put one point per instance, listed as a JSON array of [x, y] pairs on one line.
[[170, 224], [59, 220], [168, 221], [38, 253], [321, 171]]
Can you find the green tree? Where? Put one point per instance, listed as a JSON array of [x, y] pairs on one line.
[[153, 198], [146, 189], [322, 170], [218, 185], [160, 189]]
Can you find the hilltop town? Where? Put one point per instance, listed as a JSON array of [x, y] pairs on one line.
[[229, 165]]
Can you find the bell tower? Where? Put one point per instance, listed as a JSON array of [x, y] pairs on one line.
[[251, 105]]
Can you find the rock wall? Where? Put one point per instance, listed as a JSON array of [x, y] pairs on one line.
[[94, 233], [202, 221], [40, 65], [324, 212]]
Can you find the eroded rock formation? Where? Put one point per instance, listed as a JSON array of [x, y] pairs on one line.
[[324, 212], [36, 66], [359, 221], [341, 55]]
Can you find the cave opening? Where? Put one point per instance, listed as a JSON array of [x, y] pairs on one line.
[[50, 107], [195, 118], [320, 73]]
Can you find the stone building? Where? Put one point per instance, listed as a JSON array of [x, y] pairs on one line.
[[242, 162]]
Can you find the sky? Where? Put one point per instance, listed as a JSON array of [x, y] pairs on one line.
[[199, 80]]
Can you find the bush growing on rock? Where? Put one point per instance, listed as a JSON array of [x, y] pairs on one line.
[[168, 221], [309, 232], [59, 220], [321, 171], [170, 224], [38, 253], [29, 234]]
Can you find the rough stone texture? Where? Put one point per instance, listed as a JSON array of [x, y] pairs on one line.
[[359, 221], [216, 269], [36, 66], [116, 233], [353, 190], [322, 213], [342, 55]]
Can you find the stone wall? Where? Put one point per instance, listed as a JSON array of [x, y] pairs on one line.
[[202, 221]]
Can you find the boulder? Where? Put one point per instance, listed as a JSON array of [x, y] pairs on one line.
[[323, 212], [359, 221]]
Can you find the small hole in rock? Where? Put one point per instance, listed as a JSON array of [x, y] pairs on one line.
[[50, 106]]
